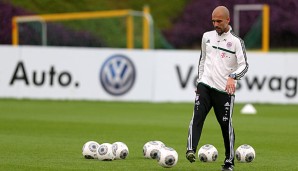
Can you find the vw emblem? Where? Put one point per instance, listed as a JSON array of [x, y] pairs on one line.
[[117, 75]]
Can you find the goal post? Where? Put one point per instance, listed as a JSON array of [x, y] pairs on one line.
[[265, 21], [129, 14]]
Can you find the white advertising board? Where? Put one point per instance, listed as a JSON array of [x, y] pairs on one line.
[[74, 73], [134, 75], [272, 78], [175, 75]]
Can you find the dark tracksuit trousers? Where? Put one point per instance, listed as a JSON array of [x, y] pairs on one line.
[[222, 103]]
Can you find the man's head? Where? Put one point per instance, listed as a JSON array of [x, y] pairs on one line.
[[221, 19]]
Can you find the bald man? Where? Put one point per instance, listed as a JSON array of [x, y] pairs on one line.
[[222, 62]]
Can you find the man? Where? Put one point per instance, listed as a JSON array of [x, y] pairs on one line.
[[222, 63]]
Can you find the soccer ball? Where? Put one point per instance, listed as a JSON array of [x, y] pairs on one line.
[[167, 157], [208, 153], [245, 153], [120, 150], [89, 150], [105, 152], [151, 148]]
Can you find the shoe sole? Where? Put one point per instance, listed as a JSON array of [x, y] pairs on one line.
[[223, 169]]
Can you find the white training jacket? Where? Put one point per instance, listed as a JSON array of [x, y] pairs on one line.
[[221, 55]]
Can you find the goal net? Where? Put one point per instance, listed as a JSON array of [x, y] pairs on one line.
[[115, 28], [258, 36]]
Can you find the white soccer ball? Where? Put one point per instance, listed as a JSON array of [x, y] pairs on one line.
[[89, 150], [207, 153], [151, 148], [105, 152], [120, 150], [245, 153], [167, 157]]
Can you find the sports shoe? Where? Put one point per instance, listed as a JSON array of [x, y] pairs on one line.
[[190, 155], [227, 167]]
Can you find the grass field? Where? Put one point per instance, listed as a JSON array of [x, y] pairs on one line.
[[49, 135]]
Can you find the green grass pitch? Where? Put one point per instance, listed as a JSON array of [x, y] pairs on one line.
[[49, 135]]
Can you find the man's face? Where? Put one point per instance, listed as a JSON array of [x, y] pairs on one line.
[[220, 23]]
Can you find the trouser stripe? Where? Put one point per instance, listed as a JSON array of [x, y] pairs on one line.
[[189, 140], [231, 130]]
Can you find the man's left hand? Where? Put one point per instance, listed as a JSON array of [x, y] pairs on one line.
[[230, 87]]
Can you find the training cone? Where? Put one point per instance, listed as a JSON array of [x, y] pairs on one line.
[[248, 109]]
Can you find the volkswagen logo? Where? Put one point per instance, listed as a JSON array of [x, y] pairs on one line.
[[117, 75]]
